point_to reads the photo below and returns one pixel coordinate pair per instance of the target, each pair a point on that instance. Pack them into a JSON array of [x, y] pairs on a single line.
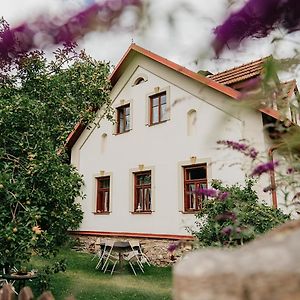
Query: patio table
[[120, 247], [20, 278]]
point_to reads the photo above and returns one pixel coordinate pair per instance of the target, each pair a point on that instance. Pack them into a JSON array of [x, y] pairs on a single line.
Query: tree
[[40, 103]]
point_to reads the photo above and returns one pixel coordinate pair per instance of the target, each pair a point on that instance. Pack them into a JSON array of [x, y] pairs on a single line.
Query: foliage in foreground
[[236, 218], [40, 103]]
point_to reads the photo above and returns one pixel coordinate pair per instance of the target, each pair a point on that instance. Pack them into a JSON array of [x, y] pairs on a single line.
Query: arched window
[[191, 122], [139, 80]]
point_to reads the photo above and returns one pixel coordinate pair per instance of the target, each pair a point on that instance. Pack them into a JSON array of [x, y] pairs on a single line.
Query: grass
[[83, 281]]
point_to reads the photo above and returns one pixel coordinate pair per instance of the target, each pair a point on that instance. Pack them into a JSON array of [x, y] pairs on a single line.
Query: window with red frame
[[123, 118], [195, 178], [103, 194], [158, 108], [142, 191]]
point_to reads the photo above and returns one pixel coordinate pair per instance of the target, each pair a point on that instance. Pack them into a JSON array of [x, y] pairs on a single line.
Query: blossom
[[212, 193], [265, 167], [207, 192], [257, 18], [227, 230], [44, 30], [222, 195], [241, 147], [172, 247], [227, 215]]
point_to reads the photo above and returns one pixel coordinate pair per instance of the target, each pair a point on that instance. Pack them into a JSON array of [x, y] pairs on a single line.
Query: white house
[[139, 171]]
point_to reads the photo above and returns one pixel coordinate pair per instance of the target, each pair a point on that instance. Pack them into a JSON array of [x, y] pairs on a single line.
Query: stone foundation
[[155, 249]]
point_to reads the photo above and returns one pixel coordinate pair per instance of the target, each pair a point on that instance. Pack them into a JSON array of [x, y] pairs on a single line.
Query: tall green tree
[[40, 103]]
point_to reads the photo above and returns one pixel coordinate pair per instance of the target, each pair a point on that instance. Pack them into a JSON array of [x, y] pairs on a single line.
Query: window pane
[[163, 99], [163, 112], [155, 114], [140, 199], [196, 173], [147, 199], [106, 201], [121, 120], [105, 183], [127, 122], [144, 179], [155, 101]]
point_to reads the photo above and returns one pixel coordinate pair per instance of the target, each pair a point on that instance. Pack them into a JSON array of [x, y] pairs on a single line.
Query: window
[[191, 122], [102, 202], [123, 118], [195, 177], [139, 80], [142, 191], [158, 108]]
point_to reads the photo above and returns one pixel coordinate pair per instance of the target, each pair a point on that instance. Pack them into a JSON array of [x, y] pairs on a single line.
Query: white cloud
[[183, 41]]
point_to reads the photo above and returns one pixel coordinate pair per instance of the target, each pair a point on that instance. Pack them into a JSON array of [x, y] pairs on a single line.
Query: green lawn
[[83, 281]]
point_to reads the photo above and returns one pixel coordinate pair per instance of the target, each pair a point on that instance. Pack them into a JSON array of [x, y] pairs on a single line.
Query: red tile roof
[[240, 73]]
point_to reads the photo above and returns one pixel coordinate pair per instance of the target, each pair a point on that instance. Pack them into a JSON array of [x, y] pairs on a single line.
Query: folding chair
[[109, 257], [97, 248], [136, 246], [4, 281], [102, 253], [133, 256]]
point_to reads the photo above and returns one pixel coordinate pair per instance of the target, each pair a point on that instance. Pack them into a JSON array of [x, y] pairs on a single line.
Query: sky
[[179, 30]]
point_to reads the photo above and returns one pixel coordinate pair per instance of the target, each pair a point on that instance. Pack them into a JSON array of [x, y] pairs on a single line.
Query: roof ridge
[[257, 61]]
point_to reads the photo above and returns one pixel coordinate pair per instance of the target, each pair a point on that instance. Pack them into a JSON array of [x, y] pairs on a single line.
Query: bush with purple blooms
[[236, 218]]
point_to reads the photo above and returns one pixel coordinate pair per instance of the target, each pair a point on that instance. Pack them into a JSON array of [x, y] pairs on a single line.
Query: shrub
[[236, 218]]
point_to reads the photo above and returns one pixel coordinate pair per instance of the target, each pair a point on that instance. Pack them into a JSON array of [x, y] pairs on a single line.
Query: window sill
[[141, 212], [101, 213], [161, 122], [189, 212], [120, 133]]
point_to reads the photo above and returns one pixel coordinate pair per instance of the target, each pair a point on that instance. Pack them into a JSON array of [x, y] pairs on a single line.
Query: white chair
[[4, 281], [102, 253], [109, 257], [133, 256], [136, 246]]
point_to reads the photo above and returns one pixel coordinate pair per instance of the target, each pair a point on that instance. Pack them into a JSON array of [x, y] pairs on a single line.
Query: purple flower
[[257, 18], [212, 193], [227, 230], [207, 192], [44, 31], [241, 147], [222, 195], [227, 215], [290, 170], [172, 247], [265, 167]]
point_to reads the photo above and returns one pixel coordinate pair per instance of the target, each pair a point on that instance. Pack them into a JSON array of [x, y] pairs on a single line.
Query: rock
[[265, 269]]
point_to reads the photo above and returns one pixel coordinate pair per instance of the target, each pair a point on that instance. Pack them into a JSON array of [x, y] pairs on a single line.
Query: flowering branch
[[241, 147], [257, 18], [45, 31]]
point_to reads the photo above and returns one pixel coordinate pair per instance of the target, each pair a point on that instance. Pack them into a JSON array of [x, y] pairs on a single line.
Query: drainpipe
[[272, 177]]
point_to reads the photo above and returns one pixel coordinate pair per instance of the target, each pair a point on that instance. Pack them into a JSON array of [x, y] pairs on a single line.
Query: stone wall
[[266, 269], [155, 249]]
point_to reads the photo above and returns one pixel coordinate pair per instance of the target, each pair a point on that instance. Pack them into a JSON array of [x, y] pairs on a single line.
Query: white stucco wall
[[163, 148]]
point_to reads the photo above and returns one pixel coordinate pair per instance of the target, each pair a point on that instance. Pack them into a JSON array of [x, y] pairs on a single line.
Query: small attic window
[[139, 80]]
